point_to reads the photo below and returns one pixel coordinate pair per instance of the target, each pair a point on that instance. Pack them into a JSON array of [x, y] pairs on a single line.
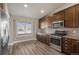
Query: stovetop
[[60, 33]]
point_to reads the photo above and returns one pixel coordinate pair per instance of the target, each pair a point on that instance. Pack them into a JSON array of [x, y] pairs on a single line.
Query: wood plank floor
[[33, 48]]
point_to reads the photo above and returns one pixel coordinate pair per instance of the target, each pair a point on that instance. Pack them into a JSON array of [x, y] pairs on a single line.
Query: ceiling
[[33, 9]]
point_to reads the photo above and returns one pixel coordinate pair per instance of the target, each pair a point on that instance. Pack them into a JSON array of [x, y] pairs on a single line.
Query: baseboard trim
[[20, 41]]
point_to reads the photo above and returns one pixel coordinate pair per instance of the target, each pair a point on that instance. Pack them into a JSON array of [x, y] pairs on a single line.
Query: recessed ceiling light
[[25, 5], [42, 11]]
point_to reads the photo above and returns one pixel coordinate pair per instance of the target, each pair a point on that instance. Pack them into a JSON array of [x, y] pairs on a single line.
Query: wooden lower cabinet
[[75, 46], [43, 38], [66, 47], [70, 46]]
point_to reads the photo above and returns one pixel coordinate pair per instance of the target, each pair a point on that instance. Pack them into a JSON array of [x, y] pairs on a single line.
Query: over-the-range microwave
[[58, 24]]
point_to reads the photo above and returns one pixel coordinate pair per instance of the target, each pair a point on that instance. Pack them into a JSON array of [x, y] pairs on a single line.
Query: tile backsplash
[[71, 31]]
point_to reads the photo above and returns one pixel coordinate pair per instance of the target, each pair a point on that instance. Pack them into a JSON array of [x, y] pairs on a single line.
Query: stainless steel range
[[56, 39]]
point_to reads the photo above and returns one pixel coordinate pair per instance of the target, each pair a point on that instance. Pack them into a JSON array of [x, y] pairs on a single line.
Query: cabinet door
[[75, 46], [77, 16], [47, 40], [67, 46], [49, 21], [42, 23], [1, 6], [59, 16], [70, 17], [70, 46]]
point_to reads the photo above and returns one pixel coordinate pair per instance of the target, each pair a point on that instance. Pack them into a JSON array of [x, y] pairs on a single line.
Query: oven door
[[56, 41]]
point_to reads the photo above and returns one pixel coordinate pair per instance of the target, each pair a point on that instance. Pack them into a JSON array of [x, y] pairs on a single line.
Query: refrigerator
[[4, 35]]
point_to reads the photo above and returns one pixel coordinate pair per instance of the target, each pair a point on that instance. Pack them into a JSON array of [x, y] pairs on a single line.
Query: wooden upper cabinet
[[40, 20], [41, 23], [45, 22], [70, 17], [1, 6], [53, 18], [59, 16], [77, 15]]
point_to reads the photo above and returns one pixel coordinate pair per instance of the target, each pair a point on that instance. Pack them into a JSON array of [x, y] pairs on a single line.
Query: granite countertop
[[39, 33], [72, 36]]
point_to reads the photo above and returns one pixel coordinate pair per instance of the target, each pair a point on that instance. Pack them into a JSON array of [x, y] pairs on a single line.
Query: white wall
[[16, 38], [6, 10]]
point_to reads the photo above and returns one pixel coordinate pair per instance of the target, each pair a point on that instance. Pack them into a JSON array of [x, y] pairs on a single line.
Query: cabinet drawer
[[70, 46]]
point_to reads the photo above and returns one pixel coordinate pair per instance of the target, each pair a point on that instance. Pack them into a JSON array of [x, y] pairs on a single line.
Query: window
[[24, 28]]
